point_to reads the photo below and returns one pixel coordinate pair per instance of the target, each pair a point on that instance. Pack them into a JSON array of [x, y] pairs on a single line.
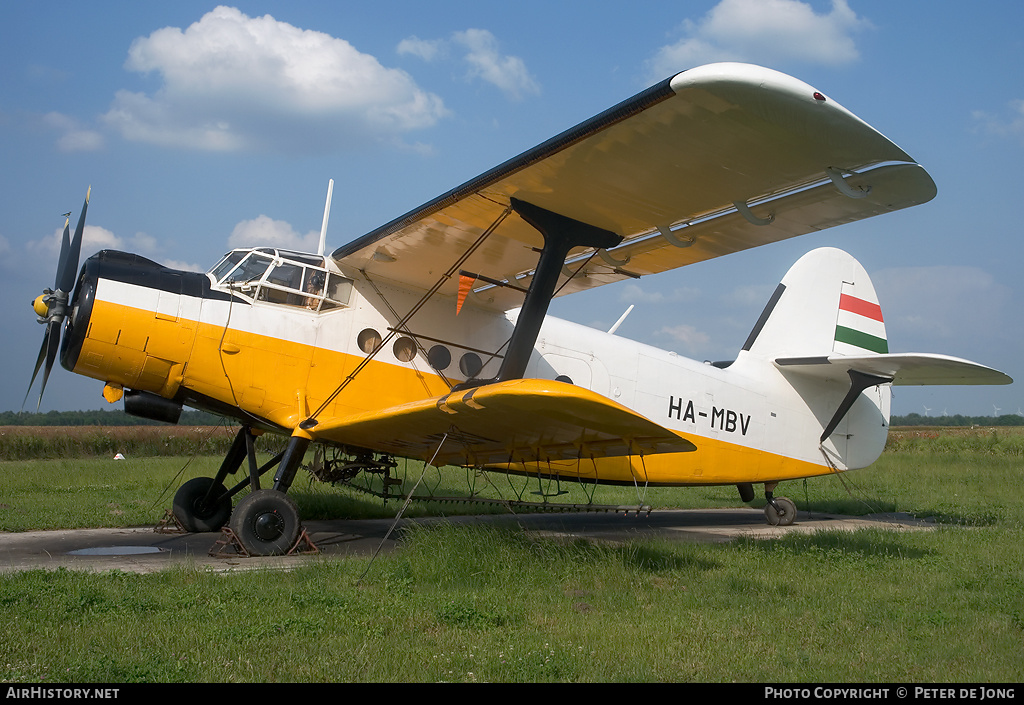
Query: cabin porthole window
[[439, 357], [404, 349], [368, 340], [564, 378], [470, 365]]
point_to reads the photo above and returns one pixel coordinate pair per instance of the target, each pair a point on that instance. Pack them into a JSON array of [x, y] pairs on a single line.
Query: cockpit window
[[281, 277], [227, 264], [337, 291], [250, 270]]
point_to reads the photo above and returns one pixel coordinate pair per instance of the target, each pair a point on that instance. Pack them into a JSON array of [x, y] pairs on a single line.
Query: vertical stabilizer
[[825, 305], [824, 308]]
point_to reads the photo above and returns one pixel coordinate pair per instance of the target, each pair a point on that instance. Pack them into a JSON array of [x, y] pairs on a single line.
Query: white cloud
[[74, 138], [231, 82], [426, 49], [691, 339], [184, 266], [1011, 125], [46, 250], [763, 31], [506, 72], [634, 293], [94, 239], [264, 231]]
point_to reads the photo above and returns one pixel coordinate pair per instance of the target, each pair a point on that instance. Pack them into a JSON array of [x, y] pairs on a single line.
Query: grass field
[[462, 604]]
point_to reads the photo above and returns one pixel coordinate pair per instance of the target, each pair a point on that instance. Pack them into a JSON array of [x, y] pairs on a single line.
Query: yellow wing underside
[[526, 420], [715, 160]]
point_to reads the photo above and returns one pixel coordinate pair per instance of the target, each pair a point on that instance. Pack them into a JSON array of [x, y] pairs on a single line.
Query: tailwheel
[[780, 511], [266, 523], [202, 504]]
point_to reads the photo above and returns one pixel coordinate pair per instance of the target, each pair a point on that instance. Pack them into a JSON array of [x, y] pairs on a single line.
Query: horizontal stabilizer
[[521, 420], [903, 368]]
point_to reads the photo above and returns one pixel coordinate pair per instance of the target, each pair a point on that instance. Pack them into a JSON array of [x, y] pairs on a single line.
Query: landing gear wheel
[[784, 515], [266, 522], [193, 513]]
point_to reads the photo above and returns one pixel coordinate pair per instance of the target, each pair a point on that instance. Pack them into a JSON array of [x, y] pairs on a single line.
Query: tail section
[[825, 305], [824, 331]]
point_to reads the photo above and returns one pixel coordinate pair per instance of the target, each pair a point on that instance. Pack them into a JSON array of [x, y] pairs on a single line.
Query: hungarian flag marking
[[860, 324]]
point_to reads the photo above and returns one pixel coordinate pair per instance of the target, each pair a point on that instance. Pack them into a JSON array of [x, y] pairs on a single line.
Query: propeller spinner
[[52, 306]]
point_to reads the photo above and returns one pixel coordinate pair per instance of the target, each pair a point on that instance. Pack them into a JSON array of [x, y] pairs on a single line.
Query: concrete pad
[[142, 550]]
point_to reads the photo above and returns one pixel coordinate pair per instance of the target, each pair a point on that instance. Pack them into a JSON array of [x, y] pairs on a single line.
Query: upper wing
[[523, 420], [902, 368], [714, 160]]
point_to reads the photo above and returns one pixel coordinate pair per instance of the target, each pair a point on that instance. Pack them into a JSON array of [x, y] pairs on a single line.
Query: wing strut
[[561, 234]]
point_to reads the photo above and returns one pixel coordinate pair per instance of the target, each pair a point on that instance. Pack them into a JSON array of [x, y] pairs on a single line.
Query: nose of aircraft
[[40, 306], [52, 306]]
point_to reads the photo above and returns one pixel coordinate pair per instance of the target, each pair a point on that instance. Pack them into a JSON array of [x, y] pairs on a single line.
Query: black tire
[[193, 514], [266, 522], [781, 518]]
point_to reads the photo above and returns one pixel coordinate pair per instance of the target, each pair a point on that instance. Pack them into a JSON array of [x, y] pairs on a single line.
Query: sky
[[202, 127]]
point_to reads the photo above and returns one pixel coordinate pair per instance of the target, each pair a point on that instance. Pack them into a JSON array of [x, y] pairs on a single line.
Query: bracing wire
[[405, 505], [415, 309]]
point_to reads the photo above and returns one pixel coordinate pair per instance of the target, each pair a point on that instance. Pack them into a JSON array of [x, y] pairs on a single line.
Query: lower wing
[[524, 420]]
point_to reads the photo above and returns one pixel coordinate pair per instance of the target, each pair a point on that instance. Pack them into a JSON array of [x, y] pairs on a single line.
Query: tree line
[[102, 417], [957, 420]]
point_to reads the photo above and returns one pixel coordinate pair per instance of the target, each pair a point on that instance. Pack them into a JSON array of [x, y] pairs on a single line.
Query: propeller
[[52, 306]]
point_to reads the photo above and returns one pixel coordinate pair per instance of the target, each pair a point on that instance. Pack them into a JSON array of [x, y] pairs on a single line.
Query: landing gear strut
[[779, 511], [266, 521]]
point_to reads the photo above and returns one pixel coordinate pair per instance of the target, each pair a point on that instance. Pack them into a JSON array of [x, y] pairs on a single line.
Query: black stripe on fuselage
[[134, 269]]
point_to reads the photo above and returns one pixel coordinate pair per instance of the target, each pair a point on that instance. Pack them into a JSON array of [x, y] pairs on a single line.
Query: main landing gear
[[266, 521], [778, 511]]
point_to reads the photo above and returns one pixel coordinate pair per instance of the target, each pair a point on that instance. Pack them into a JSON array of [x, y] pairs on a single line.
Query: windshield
[[281, 277], [251, 269]]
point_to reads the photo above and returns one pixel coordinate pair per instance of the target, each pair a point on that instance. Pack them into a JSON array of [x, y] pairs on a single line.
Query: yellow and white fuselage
[[428, 338], [270, 354]]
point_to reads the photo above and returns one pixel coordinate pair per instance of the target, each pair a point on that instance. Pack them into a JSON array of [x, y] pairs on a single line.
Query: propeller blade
[[39, 363], [52, 344], [65, 248], [47, 352], [68, 268], [57, 303]]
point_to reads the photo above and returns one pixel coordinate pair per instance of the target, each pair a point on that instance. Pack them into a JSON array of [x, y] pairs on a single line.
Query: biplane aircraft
[[427, 338]]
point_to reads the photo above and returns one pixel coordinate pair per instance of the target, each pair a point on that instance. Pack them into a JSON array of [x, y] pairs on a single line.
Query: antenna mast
[[327, 215]]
